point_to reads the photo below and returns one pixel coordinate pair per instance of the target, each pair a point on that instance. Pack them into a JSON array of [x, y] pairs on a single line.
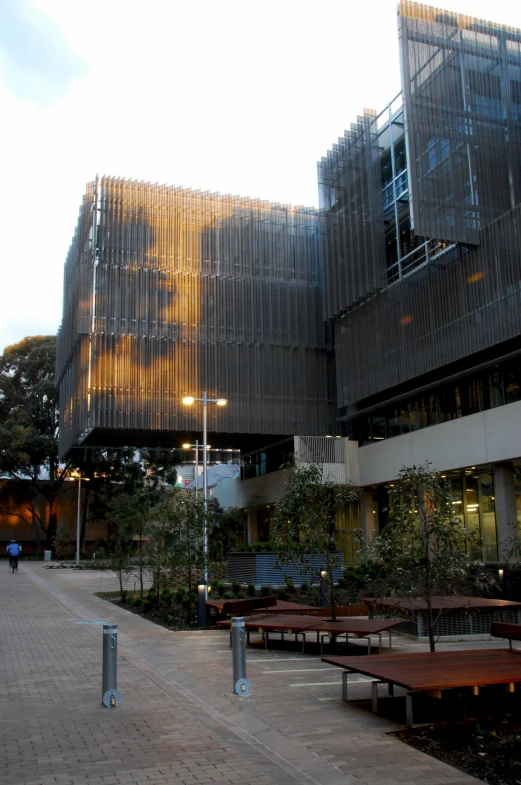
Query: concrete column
[[367, 517], [505, 505]]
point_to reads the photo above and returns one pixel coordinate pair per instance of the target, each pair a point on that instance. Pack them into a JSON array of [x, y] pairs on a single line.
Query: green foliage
[[227, 595], [61, 543], [124, 596], [166, 595], [137, 602], [304, 521], [236, 586], [304, 586], [251, 590], [290, 586], [240, 596], [180, 594], [265, 591], [424, 549], [225, 528], [174, 539], [282, 594], [29, 412], [147, 606]]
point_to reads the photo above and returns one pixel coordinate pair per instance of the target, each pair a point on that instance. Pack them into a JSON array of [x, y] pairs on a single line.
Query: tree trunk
[[120, 576], [141, 564], [430, 624], [52, 524], [84, 516]]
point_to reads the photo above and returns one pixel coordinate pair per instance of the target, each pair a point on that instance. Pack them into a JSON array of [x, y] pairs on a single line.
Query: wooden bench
[[512, 632], [218, 609], [432, 673], [242, 607]]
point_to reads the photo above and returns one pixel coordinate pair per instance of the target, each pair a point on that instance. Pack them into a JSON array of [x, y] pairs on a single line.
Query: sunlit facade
[[391, 316], [170, 292]]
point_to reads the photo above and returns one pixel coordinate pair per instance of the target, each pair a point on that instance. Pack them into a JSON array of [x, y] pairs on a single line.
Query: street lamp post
[[188, 401], [196, 448]]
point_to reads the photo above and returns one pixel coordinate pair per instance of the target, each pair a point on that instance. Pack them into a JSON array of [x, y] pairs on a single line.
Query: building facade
[[169, 292], [390, 318]]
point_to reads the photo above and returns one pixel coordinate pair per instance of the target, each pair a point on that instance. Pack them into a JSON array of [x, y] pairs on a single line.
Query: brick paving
[[179, 721]]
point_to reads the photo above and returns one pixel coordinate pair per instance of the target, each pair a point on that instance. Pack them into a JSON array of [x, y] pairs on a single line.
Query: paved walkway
[[179, 721]]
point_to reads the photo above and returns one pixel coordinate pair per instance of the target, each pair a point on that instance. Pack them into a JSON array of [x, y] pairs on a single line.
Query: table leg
[[379, 643], [345, 674], [408, 710], [266, 636], [368, 645], [390, 639], [390, 688]]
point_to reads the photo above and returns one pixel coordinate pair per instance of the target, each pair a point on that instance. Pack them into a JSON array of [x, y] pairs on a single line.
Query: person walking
[[14, 550]]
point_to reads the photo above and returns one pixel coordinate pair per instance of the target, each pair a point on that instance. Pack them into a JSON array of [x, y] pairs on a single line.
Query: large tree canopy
[[29, 422]]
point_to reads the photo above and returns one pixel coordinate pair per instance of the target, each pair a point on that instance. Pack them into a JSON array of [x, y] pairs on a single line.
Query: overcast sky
[[237, 97]]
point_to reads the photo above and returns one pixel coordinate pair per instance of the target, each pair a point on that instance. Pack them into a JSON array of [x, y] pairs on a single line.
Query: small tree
[[423, 549], [178, 525], [225, 528], [304, 521], [119, 558]]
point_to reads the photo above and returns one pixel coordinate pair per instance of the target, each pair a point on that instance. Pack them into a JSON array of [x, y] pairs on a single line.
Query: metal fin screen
[[352, 224], [435, 316], [169, 292], [462, 95]]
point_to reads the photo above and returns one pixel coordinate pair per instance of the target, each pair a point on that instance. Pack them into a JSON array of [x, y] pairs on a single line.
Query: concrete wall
[[254, 492], [488, 437]]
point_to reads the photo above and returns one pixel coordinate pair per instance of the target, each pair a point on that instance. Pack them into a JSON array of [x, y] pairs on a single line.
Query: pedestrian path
[[179, 721]]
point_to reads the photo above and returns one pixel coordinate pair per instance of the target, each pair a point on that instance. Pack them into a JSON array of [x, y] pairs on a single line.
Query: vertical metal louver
[[352, 225], [170, 291], [462, 96], [468, 302]]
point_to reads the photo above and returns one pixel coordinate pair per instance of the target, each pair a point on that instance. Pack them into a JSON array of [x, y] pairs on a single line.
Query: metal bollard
[[201, 605], [324, 589], [109, 694], [241, 685]]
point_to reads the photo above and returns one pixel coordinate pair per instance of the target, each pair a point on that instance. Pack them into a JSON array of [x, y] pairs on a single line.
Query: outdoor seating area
[[455, 615], [432, 673], [323, 630]]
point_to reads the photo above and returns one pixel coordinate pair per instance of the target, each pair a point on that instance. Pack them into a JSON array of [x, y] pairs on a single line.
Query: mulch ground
[[488, 748]]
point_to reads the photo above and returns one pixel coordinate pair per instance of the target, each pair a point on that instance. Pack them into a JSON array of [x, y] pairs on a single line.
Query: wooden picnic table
[[298, 626], [433, 672]]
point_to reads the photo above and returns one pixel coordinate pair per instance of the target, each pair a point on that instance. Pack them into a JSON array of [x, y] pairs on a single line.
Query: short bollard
[[201, 605], [110, 696], [324, 589], [241, 685]]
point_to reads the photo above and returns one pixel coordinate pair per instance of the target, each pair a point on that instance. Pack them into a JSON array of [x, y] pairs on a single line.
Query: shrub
[[240, 596], [236, 586], [265, 590], [166, 595], [137, 602], [227, 595], [282, 594], [221, 588], [147, 606], [290, 586], [342, 583], [251, 590], [180, 594], [124, 596], [304, 586], [214, 584]]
